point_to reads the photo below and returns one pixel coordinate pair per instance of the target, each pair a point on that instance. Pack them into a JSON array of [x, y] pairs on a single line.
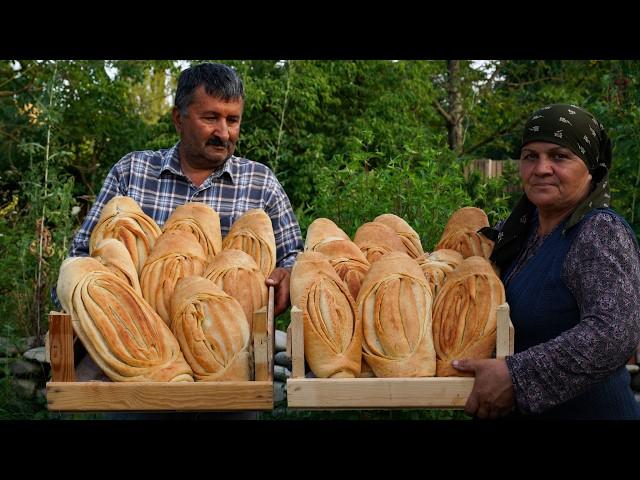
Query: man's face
[[209, 130]]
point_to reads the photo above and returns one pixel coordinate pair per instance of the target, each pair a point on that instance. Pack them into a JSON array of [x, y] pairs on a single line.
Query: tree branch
[[442, 112], [497, 134]]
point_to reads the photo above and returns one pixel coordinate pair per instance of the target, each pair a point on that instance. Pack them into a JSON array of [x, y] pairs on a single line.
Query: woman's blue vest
[[542, 307]]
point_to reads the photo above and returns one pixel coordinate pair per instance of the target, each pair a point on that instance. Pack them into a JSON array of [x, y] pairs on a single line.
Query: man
[[202, 167]]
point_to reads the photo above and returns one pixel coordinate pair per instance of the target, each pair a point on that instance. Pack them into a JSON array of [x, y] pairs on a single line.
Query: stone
[[633, 369], [282, 358], [36, 354], [279, 392], [25, 388], [24, 368], [281, 373], [7, 347], [280, 341]]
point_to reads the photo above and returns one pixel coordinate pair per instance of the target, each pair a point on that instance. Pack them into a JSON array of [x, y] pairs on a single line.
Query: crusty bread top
[[375, 239], [114, 255], [123, 219], [253, 233], [201, 220], [408, 235], [323, 230]]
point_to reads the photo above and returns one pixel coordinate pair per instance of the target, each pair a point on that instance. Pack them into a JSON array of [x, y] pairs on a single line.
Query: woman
[[571, 270]]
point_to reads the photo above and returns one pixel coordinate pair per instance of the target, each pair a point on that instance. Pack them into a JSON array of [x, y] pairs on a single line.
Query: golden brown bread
[[202, 221], [323, 230], [465, 314], [114, 255], [408, 235], [212, 330], [375, 239], [461, 233], [123, 219], [119, 329], [437, 265], [237, 273], [253, 234], [332, 329], [348, 261], [395, 304], [176, 254]]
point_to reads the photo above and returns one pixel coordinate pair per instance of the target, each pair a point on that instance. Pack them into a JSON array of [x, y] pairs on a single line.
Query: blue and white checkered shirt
[[155, 181]]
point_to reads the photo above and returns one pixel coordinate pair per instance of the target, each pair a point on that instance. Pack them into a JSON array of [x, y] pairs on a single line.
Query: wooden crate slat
[[151, 396], [61, 347], [372, 393]]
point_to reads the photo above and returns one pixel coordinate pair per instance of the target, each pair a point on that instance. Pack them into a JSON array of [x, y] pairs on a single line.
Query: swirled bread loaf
[[322, 230], [212, 330], [348, 261], [237, 273], [395, 304], [123, 219], [176, 254], [375, 239], [124, 336], [202, 221], [332, 329], [465, 314], [437, 265], [407, 234], [253, 234], [461, 233], [114, 255]]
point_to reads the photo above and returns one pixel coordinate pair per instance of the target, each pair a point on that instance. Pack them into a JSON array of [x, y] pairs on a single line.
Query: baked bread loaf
[[114, 255], [176, 254], [123, 219], [332, 328], [461, 233], [323, 230], [253, 234], [437, 265], [348, 261], [408, 235], [238, 275], [123, 335], [375, 239], [202, 221], [465, 314], [395, 304], [212, 330]]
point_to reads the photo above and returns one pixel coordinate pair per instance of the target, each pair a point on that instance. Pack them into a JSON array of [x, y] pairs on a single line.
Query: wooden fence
[[488, 167]]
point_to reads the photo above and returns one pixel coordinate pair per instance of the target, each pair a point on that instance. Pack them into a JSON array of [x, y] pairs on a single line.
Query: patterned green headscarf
[[576, 129]]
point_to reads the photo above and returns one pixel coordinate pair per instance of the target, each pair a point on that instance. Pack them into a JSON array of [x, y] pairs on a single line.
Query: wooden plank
[[152, 396], [271, 338], [504, 333], [263, 340], [376, 393], [297, 343], [61, 347]]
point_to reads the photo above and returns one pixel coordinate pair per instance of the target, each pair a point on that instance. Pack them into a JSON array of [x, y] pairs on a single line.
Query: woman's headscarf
[[579, 131]]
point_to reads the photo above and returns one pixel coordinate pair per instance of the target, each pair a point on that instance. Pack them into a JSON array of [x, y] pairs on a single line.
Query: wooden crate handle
[[297, 343], [504, 333], [263, 338], [61, 347]]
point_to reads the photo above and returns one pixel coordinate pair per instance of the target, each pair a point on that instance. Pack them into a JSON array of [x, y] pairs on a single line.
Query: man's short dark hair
[[219, 80]]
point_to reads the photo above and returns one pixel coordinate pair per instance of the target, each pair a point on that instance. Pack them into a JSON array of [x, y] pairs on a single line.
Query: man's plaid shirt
[[155, 181]]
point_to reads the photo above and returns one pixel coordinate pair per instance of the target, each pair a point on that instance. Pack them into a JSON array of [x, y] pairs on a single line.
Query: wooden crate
[[65, 394], [381, 393]]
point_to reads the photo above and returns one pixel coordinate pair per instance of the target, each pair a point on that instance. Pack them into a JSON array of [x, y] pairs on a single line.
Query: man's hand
[[279, 279], [492, 395]]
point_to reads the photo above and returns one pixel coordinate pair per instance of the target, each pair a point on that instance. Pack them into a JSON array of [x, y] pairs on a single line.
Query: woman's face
[[553, 177]]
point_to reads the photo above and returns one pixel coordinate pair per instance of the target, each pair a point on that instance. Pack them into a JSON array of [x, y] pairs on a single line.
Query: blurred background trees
[[348, 139]]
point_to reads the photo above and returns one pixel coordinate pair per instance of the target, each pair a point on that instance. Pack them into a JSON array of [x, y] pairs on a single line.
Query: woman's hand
[[279, 279], [492, 395]]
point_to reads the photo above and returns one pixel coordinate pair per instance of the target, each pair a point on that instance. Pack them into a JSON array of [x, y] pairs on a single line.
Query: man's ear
[[177, 119]]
